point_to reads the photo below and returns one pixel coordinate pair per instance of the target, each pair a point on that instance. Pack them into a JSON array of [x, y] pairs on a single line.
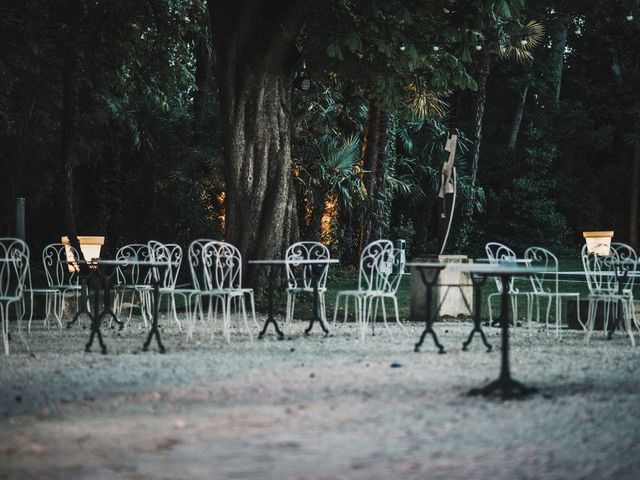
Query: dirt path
[[316, 408]]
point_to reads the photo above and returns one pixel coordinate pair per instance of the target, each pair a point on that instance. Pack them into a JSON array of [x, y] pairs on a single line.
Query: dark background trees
[[179, 120]]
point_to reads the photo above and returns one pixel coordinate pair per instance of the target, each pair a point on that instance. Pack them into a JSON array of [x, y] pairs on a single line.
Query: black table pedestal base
[[155, 332], [307, 330], [270, 317], [429, 281], [477, 281], [505, 388], [430, 330], [478, 329], [95, 332], [275, 325]]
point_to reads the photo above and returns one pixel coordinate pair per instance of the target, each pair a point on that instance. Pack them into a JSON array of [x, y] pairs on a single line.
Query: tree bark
[[517, 118], [255, 56], [379, 218], [479, 102], [70, 91], [558, 33], [635, 193]]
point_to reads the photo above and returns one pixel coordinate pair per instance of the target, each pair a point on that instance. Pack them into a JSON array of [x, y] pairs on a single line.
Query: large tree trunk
[[559, 30], [255, 56], [479, 101], [517, 118], [635, 193], [375, 165]]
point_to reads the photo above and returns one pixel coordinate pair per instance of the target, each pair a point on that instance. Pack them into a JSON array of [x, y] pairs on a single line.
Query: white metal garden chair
[[14, 265], [197, 269], [221, 281], [171, 253], [376, 266], [603, 283], [62, 276], [499, 253], [547, 286], [392, 285], [132, 280], [300, 276], [49, 298]]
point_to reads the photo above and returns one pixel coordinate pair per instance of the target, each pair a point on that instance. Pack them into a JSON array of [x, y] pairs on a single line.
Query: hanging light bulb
[[402, 47], [478, 47], [436, 48], [524, 40], [629, 17]]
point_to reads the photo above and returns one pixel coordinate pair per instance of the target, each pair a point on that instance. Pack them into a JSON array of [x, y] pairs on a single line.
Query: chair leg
[[395, 307], [546, 317], [627, 309], [226, 320], [582, 324], [253, 311], [5, 327], [335, 310], [362, 317], [591, 319], [384, 316], [245, 317]]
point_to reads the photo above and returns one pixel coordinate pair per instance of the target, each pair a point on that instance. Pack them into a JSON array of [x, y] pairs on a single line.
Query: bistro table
[[429, 273], [99, 277], [315, 264], [504, 386]]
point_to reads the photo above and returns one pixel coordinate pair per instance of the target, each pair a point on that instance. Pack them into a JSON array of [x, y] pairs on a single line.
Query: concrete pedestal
[[449, 298]]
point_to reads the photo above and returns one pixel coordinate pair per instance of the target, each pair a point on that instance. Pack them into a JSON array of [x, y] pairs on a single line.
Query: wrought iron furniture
[[497, 253], [129, 279], [197, 269], [49, 297], [303, 277], [221, 265], [61, 276], [547, 286], [376, 265], [316, 268], [505, 386], [14, 265], [399, 263], [610, 280], [429, 273], [170, 253], [271, 281]]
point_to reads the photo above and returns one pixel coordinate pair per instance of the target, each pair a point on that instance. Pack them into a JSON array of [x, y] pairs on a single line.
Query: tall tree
[[255, 57]]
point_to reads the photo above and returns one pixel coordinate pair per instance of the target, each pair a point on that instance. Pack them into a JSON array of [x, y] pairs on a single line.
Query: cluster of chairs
[[603, 277], [216, 288]]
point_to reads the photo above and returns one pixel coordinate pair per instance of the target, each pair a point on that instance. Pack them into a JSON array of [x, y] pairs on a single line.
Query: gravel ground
[[318, 408]]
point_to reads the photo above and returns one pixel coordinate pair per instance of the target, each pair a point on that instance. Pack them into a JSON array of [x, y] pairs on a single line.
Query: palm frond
[[425, 103], [518, 40]]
